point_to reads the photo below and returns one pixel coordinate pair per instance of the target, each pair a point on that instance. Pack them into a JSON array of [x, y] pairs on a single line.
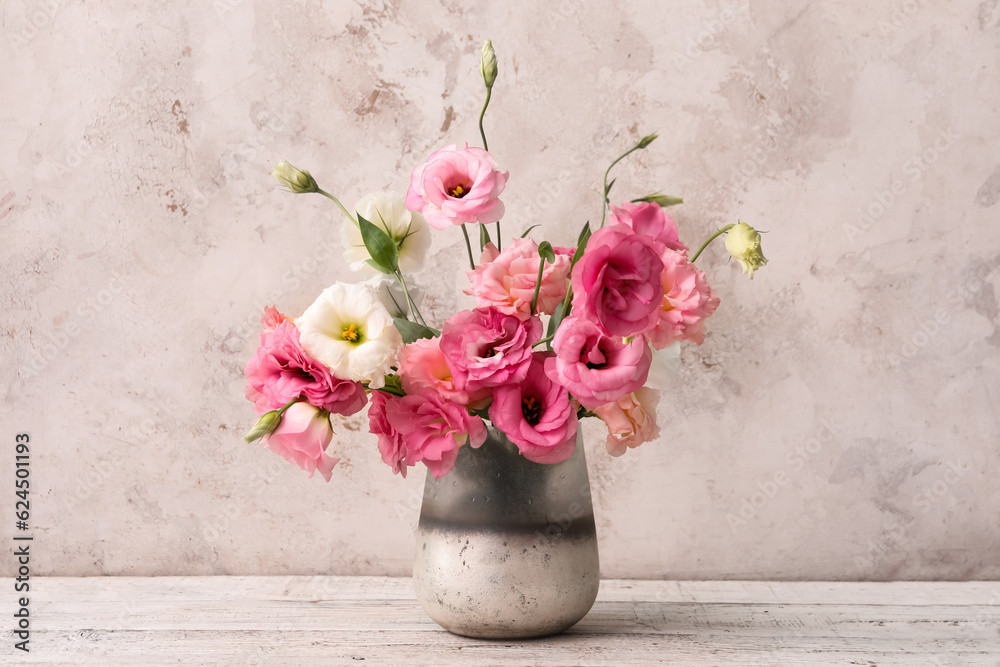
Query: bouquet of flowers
[[558, 333]]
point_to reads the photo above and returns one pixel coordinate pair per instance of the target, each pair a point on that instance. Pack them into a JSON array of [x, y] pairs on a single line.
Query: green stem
[[409, 301], [468, 245], [499, 248], [544, 340], [604, 192], [337, 202], [538, 284], [489, 93], [288, 405], [710, 239]]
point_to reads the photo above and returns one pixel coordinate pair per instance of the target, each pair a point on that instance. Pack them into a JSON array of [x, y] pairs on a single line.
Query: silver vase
[[507, 548]]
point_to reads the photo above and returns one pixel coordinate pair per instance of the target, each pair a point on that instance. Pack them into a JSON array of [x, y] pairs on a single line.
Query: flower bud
[[661, 199], [743, 243], [264, 427], [488, 64], [647, 140], [295, 179]]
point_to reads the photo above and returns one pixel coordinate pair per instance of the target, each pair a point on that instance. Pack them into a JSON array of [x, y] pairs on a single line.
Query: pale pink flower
[[423, 368], [457, 185], [487, 348], [432, 430], [631, 420], [302, 437], [537, 414], [390, 441], [507, 279], [597, 369], [272, 318], [616, 283], [281, 370], [687, 300], [649, 218]]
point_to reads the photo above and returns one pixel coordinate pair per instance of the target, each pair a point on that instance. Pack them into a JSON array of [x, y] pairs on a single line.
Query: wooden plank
[[376, 620]]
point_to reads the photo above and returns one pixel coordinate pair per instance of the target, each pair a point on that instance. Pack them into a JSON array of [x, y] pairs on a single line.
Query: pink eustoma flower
[[616, 283], [687, 300], [507, 279], [433, 429], [485, 347], [537, 414], [390, 441], [423, 368], [649, 219], [302, 437], [597, 369], [456, 186], [281, 370], [631, 420]]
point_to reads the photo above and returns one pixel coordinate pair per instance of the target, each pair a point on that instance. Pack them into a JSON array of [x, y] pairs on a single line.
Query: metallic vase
[[507, 548]]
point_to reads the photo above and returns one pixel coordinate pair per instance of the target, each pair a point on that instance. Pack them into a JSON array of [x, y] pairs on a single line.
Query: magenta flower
[[616, 283], [687, 300], [507, 279], [457, 185], [423, 369], [649, 219], [390, 441], [302, 437], [597, 369], [631, 420], [487, 348], [432, 430], [281, 370], [537, 414]]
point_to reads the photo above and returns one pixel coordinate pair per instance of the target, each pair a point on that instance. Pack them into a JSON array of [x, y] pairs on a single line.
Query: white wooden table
[[250, 621]]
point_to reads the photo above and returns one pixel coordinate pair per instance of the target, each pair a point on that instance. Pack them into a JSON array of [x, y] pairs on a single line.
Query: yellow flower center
[[459, 191], [351, 333]]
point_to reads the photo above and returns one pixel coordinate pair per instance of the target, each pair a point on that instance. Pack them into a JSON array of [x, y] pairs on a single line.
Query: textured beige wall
[[838, 423]]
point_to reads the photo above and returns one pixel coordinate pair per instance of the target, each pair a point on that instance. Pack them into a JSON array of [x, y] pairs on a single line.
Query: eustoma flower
[[349, 330], [616, 283], [423, 368], [302, 438], [487, 348], [456, 186], [407, 229], [507, 279], [631, 420], [391, 444], [649, 219], [597, 369], [433, 429], [281, 371], [537, 414], [687, 300]]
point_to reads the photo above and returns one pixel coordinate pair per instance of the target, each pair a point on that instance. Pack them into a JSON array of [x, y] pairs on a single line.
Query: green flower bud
[[295, 179], [743, 243], [265, 426], [488, 64], [661, 199], [647, 140]]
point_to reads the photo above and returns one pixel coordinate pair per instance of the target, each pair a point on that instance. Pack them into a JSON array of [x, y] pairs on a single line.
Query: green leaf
[[545, 250], [376, 266], [380, 246], [529, 229], [484, 237], [608, 188], [581, 243], [411, 331]]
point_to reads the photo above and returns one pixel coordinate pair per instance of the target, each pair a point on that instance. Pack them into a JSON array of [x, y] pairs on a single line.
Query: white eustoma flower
[[388, 211], [390, 293], [348, 330]]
